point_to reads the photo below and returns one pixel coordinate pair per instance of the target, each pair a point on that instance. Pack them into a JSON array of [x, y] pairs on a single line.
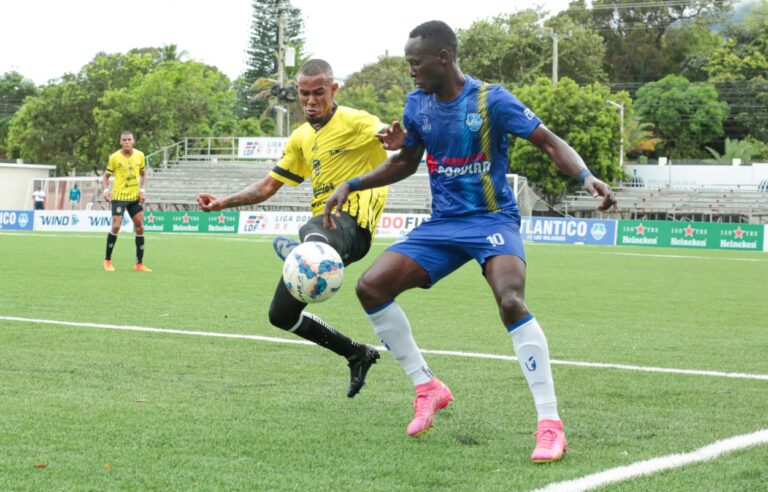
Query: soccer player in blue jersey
[[463, 124]]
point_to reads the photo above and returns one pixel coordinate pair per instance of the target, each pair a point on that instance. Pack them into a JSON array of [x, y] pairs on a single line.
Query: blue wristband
[[583, 175], [354, 184]]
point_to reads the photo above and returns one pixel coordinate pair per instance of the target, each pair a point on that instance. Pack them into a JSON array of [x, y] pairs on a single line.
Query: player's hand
[[337, 201], [597, 188], [208, 202], [393, 137], [142, 196], [107, 196]]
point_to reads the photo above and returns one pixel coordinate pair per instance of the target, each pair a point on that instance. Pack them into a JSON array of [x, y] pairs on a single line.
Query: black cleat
[[358, 368]]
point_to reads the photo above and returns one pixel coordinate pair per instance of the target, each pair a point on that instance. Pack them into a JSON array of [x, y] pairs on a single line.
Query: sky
[[43, 39]]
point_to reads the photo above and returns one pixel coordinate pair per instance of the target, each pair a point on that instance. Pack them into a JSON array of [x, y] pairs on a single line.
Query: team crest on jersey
[[474, 121], [529, 114], [426, 126], [316, 167]]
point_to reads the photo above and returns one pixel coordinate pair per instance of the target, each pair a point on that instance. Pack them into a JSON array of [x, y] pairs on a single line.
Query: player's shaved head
[[437, 35], [316, 66]]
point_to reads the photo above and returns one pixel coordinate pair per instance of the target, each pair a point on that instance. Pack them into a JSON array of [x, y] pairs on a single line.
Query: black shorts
[[351, 241], [120, 207]]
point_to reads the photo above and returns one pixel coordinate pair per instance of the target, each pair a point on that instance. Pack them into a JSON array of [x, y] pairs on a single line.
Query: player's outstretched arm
[[570, 162], [208, 202], [392, 170], [597, 188], [250, 195], [392, 138]]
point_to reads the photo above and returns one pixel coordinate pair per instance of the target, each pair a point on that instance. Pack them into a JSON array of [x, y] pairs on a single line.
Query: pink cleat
[[430, 398], [550, 442]]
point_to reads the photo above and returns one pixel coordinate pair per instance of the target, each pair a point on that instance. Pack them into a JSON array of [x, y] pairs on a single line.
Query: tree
[[74, 122], [263, 48], [583, 118], [647, 40], [379, 88], [14, 89], [513, 48], [685, 115], [740, 70], [175, 100], [170, 52], [734, 149]]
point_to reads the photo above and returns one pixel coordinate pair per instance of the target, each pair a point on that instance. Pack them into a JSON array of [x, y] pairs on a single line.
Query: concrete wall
[[15, 189], [703, 176]]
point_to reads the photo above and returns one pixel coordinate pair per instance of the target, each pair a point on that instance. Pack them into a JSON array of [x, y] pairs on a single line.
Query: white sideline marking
[[687, 257], [655, 465], [689, 372]]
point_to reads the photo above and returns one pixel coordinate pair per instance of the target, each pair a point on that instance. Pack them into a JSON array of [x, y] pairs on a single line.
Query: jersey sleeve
[[512, 114], [292, 169], [410, 123], [369, 126], [142, 162], [111, 165]]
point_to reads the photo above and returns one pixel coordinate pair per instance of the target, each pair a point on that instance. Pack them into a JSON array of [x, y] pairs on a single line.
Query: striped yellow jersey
[[344, 148], [126, 170]]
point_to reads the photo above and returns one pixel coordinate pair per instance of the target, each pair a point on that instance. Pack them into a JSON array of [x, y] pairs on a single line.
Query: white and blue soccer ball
[[313, 272]]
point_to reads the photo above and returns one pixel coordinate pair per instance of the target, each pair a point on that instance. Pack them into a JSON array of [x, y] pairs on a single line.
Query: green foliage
[[513, 48], [580, 116], [685, 115], [734, 149], [263, 48], [14, 89], [58, 127], [76, 122], [175, 100], [645, 43], [379, 88], [760, 147]]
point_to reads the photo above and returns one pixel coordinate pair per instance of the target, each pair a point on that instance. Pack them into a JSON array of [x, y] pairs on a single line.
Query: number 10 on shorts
[[495, 239]]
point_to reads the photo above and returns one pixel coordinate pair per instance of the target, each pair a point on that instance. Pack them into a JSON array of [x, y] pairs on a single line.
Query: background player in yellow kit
[[128, 167]]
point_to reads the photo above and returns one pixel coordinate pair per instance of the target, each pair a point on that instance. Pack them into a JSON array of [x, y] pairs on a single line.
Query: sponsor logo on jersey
[[323, 188], [459, 166], [474, 121]]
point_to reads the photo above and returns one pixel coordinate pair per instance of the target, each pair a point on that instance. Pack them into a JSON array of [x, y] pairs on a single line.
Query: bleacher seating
[[174, 186], [728, 204]]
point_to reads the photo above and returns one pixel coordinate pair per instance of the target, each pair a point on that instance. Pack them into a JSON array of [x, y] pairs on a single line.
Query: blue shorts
[[441, 246]]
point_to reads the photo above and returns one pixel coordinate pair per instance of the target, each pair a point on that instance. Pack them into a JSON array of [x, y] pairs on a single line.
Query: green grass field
[[88, 408]]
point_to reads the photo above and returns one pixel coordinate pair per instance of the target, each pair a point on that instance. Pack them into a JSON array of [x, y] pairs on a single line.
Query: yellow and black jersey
[[344, 148], [126, 170]]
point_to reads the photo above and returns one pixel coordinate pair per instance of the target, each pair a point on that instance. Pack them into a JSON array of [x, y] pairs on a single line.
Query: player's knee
[[282, 318], [140, 229], [369, 292], [512, 304]]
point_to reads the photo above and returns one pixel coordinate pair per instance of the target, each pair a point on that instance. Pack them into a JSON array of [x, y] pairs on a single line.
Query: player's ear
[[334, 88]]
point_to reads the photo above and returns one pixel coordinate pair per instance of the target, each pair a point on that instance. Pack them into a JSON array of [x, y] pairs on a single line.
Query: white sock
[[533, 354], [392, 327]]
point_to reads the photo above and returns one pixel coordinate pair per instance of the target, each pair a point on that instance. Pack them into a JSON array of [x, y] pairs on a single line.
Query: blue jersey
[[467, 140]]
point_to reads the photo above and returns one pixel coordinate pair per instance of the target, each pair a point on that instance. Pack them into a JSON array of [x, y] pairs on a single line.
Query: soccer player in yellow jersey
[[335, 144], [128, 167]]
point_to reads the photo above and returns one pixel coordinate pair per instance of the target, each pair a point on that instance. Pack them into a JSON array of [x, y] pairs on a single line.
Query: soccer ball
[[313, 272]]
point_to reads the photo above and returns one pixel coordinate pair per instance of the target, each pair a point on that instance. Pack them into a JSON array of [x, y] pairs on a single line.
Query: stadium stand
[[742, 204]]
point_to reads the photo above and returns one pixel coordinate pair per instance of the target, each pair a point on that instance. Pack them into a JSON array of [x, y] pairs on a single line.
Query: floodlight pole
[[555, 40], [280, 127], [620, 107]]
